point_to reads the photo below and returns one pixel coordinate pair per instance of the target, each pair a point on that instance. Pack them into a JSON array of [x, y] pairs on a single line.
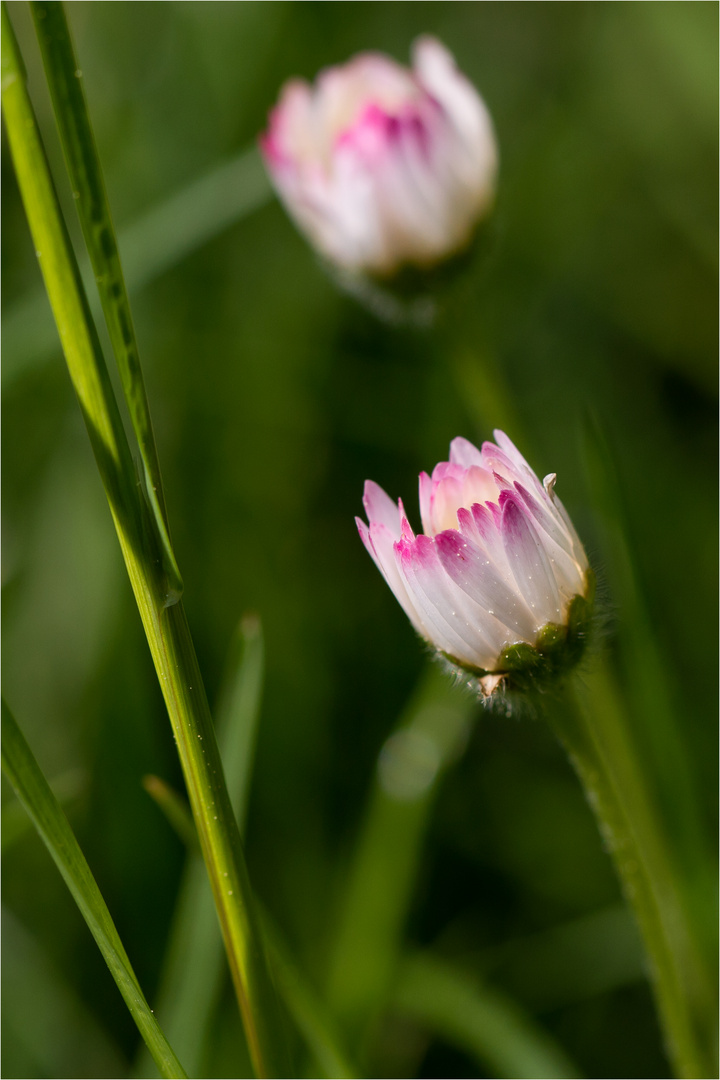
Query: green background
[[593, 300]]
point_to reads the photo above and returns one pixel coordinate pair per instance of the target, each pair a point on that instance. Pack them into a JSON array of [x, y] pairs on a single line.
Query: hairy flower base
[[556, 651]]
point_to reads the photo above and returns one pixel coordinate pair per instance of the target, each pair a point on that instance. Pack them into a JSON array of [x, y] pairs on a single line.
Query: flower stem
[[165, 626], [594, 730]]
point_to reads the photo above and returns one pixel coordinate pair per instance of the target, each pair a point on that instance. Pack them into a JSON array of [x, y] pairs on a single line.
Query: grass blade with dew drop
[[165, 626]]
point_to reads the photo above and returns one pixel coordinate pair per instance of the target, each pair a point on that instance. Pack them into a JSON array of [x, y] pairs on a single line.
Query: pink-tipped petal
[[425, 486], [380, 544], [438, 73], [498, 562], [462, 452], [530, 566], [544, 518], [380, 507], [365, 535], [460, 632], [478, 526], [474, 573]]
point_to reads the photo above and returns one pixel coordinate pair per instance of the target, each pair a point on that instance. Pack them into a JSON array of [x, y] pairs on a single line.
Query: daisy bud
[[383, 167], [498, 581]]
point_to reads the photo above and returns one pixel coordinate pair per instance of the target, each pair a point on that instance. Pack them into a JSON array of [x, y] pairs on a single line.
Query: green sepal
[[556, 651], [526, 668]]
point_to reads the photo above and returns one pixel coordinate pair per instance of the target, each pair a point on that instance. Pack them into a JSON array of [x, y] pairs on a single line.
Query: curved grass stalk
[[165, 626], [484, 1023], [594, 731], [194, 959], [66, 90], [193, 968]]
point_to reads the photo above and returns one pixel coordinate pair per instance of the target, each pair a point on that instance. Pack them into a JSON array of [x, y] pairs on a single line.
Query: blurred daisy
[[381, 166]]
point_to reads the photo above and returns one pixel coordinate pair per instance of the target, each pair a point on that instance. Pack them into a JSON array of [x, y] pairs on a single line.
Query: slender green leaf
[[382, 874], [191, 981], [310, 1014], [239, 711], [570, 962], [597, 734], [15, 822], [34, 792], [66, 88], [649, 683], [175, 809], [492, 1028], [165, 626], [67, 298]]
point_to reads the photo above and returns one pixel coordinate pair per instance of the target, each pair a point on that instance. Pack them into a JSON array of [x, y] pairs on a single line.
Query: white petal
[[379, 543], [425, 486], [480, 527], [462, 452], [380, 507], [436, 69], [547, 519], [530, 565], [578, 549], [456, 620], [473, 572]]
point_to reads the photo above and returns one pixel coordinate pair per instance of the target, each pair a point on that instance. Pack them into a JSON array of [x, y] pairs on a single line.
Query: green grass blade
[[571, 961], [597, 732], [382, 875], [175, 809], [656, 724], [16, 824], [66, 89], [192, 977], [165, 626], [191, 981], [484, 1023], [150, 245], [239, 711], [67, 298], [34, 792], [308, 1012]]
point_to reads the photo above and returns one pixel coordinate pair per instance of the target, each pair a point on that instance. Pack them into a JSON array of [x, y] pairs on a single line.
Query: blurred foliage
[[274, 396]]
